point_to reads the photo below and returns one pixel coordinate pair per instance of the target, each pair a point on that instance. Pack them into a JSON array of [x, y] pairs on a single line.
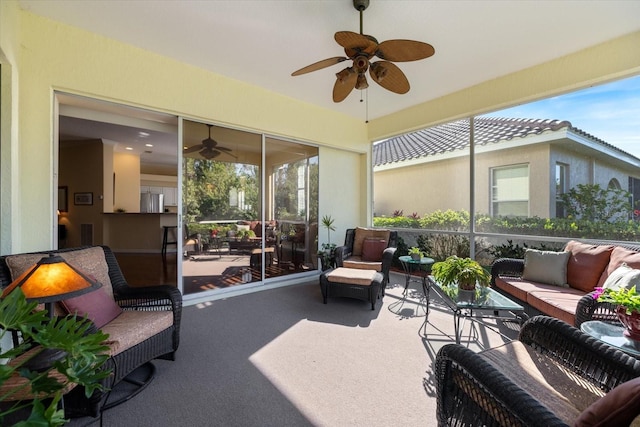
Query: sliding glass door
[[249, 208]]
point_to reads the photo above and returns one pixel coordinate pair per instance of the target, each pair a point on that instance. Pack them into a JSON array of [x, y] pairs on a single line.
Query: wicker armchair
[[346, 253], [161, 345], [473, 391]]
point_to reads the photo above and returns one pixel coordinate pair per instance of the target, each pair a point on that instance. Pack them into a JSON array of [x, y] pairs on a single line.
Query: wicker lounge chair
[[557, 374]]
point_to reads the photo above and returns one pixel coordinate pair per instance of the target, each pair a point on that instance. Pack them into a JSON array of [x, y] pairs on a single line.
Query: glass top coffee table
[[611, 334], [475, 305]]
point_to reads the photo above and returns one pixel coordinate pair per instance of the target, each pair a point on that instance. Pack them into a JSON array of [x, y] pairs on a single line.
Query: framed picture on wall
[[83, 198], [62, 199]]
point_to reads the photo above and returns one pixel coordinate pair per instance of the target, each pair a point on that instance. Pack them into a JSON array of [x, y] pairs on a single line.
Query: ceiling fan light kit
[[361, 48]]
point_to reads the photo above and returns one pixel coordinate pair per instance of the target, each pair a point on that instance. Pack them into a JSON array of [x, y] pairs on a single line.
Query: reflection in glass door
[[229, 239], [221, 207]]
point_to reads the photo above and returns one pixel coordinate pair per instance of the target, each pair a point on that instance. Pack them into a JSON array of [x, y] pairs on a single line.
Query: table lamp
[[49, 280]]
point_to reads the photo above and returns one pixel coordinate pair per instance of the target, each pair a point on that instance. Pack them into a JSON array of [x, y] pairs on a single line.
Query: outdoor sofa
[[559, 284], [143, 323]]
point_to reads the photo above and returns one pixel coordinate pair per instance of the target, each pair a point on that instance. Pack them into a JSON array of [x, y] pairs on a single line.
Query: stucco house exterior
[[521, 167]]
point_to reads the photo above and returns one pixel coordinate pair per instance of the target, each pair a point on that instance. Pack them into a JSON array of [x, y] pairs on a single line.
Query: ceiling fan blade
[[345, 82], [404, 50], [192, 149], [389, 76], [320, 65], [223, 149], [354, 43]]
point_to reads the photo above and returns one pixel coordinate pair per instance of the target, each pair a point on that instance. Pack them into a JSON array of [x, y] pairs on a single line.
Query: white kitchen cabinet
[[170, 196]]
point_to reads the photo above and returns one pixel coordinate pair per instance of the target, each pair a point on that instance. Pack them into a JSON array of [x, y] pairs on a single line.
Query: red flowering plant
[[627, 298]]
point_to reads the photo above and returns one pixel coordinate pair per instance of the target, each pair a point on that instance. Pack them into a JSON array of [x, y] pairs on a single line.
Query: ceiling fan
[[361, 48], [209, 148]]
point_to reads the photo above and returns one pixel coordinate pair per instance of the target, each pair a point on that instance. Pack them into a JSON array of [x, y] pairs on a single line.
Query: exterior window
[[561, 188], [614, 184], [510, 191]]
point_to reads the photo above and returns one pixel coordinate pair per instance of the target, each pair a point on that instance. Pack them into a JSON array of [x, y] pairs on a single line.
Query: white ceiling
[[263, 41]]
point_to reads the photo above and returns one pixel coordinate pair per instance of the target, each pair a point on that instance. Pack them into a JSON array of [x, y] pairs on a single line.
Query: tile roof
[[455, 136]]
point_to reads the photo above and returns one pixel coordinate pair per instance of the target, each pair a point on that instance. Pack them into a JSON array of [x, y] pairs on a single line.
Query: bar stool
[[165, 237]]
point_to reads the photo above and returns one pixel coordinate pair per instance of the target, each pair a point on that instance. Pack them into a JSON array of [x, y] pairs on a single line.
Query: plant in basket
[[628, 311]]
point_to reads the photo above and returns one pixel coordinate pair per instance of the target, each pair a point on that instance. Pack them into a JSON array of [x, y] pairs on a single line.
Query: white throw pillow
[[622, 277], [546, 267]]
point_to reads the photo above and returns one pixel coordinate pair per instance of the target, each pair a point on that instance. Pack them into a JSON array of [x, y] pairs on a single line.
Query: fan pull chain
[[366, 106]]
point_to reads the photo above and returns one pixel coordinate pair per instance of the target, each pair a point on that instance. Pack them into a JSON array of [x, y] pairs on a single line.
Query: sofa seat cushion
[[351, 276], [556, 387], [133, 327], [519, 288], [358, 263], [586, 264], [558, 303]]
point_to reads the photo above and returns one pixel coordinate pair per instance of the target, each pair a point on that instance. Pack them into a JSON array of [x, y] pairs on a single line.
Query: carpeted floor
[[282, 358]]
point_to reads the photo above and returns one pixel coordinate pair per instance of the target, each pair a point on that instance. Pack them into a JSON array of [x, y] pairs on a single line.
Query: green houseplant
[[39, 391], [415, 253], [326, 253], [465, 272], [628, 310]]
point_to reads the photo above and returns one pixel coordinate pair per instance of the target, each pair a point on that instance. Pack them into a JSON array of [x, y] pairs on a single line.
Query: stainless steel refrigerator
[[151, 203]]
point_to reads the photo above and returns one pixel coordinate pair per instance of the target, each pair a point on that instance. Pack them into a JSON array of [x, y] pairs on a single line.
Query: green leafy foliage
[[83, 362], [593, 203], [617, 228], [627, 298], [464, 272]]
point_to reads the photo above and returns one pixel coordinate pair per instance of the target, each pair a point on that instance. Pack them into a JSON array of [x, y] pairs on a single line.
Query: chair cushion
[[90, 261], [97, 306], [133, 327], [372, 249], [586, 264], [363, 233], [546, 267], [359, 263], [352, 276], [619, 407]]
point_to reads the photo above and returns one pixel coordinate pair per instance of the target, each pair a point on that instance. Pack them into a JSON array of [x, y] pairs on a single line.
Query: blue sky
[[610, 112]]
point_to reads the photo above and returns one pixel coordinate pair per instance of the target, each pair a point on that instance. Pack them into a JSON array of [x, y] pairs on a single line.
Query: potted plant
[[415, 253], [34, 390], [628, 311], [326, 254], [464, 272]]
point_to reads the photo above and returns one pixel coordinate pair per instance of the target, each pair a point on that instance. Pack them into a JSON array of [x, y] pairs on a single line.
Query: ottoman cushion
[[351, 276]]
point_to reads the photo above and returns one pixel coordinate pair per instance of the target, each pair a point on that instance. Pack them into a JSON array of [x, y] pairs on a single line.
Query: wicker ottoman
[[351, 283]]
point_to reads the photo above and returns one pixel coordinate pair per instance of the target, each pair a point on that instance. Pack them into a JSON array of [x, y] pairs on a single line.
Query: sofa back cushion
[[620, 256], [90, 261], [586, 264], [364, 233]]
